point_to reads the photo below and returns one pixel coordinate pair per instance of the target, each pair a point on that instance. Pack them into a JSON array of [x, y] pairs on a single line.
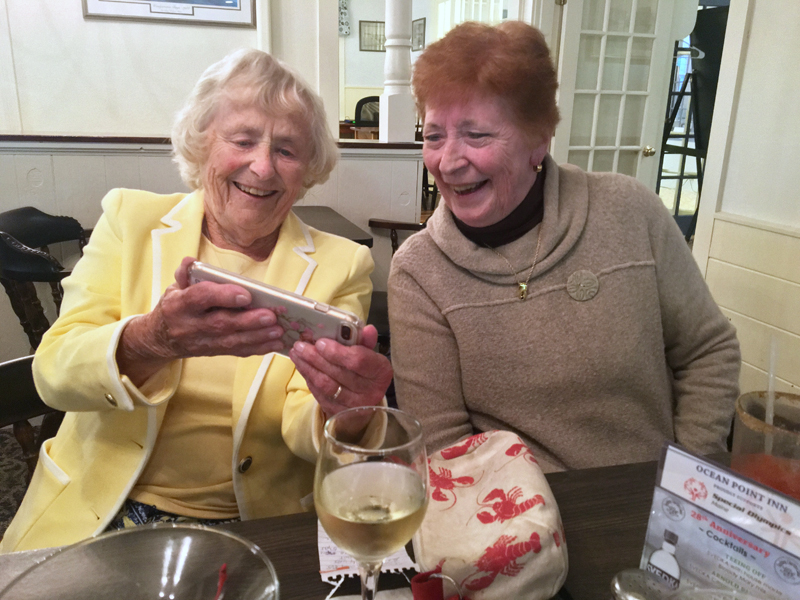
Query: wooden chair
[[430, 193], [25, 234], [19, 402], [394, 227]]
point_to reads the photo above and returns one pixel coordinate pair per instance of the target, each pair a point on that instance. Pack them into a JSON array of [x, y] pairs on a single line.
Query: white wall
[[65, 75], [363, 69], [61, 74], [748, 232]]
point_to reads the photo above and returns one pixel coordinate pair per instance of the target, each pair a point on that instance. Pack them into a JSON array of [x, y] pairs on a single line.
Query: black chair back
[[19, 402], [35, 228], [25, 234], [368, 111], [23, 231]]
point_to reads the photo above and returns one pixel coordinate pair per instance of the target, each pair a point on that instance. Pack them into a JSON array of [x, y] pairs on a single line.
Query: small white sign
[[335, 563], [713, 529]]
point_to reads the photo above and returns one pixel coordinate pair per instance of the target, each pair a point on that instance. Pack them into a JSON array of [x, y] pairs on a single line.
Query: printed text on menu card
[[711, 528]]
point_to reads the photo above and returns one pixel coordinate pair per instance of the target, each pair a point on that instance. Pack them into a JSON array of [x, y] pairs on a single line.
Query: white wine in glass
[[371, 496]]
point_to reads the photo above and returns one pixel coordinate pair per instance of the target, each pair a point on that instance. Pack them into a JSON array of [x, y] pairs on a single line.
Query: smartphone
[[301, 318]]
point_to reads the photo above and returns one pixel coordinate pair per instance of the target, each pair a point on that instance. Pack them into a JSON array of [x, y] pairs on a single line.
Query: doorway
[[690, 108]]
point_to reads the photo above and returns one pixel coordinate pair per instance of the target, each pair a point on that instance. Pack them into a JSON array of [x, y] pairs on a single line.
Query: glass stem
[[369, 579]]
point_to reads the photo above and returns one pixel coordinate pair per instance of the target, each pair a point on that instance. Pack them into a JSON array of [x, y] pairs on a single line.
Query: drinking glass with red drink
[[768, 453]]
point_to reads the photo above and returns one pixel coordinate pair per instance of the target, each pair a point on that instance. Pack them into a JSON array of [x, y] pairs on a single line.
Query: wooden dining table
[[605, 512]]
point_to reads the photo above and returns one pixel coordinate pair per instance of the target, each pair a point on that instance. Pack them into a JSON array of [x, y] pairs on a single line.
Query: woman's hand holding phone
[[330, 347], [196, 317], [342, 377], [206, 319], [196, 320]]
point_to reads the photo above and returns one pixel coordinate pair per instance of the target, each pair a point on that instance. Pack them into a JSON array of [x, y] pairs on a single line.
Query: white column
[[397, 115], [328, 61]]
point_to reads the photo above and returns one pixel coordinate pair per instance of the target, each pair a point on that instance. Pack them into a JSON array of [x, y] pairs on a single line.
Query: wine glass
[[371, 493]]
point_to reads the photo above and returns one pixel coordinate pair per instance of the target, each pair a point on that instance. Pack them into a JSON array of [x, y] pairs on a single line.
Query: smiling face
[[253, 175], [483, 163]]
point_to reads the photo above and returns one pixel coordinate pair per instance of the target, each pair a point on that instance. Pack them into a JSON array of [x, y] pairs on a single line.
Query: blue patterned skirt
[[133, 514]]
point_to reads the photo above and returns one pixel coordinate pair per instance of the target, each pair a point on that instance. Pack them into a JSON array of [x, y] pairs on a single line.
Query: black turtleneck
[[520, 221]]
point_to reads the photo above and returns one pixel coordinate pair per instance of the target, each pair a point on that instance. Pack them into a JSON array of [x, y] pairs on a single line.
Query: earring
[[539, 168]]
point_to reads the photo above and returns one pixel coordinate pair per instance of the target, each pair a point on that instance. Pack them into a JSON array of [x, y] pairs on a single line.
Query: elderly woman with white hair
[[178, 407]]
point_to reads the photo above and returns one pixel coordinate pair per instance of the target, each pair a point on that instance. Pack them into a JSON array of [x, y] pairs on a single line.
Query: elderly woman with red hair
[[562, 305]]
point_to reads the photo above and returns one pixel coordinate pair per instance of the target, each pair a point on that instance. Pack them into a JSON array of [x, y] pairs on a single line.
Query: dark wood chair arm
[[394, 227], [401, 225]]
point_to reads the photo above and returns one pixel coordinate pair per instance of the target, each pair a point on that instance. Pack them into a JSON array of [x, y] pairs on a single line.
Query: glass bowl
[[163, 561]]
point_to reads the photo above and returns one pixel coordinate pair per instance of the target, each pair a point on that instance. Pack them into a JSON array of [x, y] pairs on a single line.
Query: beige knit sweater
[[585, 380]]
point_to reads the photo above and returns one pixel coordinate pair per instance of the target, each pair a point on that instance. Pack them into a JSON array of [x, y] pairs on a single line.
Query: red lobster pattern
[[462, 449], [443, 484], [522, 450], [505, 506], [501, 559]]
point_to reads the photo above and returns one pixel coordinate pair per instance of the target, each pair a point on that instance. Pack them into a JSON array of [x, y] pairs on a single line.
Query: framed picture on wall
[[418, 34], [232, 13], [372, 36]]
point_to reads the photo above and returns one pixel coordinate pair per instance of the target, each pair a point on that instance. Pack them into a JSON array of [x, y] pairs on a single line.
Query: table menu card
[[335, 564], [712, 528]]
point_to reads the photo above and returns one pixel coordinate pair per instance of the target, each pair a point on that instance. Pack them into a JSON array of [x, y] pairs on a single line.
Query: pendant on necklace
[[523, 291]]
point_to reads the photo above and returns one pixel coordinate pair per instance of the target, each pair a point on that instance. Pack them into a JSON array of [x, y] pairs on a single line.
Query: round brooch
[[582, 285]]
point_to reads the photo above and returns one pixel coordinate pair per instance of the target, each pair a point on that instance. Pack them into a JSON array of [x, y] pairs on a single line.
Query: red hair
[[510, 61]]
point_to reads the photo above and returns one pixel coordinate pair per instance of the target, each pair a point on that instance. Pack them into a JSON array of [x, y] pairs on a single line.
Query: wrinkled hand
[[363, 374], [205, 319]]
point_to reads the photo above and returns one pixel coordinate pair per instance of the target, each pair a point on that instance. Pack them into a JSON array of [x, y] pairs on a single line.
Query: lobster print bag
[[492, 522]]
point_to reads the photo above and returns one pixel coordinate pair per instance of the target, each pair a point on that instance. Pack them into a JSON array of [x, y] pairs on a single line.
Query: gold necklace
[[523, 286]]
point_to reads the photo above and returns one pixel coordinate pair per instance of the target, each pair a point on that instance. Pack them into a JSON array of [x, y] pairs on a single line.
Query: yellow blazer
[[86, 472]]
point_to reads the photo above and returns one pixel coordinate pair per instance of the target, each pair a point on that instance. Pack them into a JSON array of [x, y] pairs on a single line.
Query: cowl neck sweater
[[561, 228], [617, 348]]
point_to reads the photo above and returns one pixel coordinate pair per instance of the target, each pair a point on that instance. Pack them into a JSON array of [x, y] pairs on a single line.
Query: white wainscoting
[[71, 178], [754, 274]]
